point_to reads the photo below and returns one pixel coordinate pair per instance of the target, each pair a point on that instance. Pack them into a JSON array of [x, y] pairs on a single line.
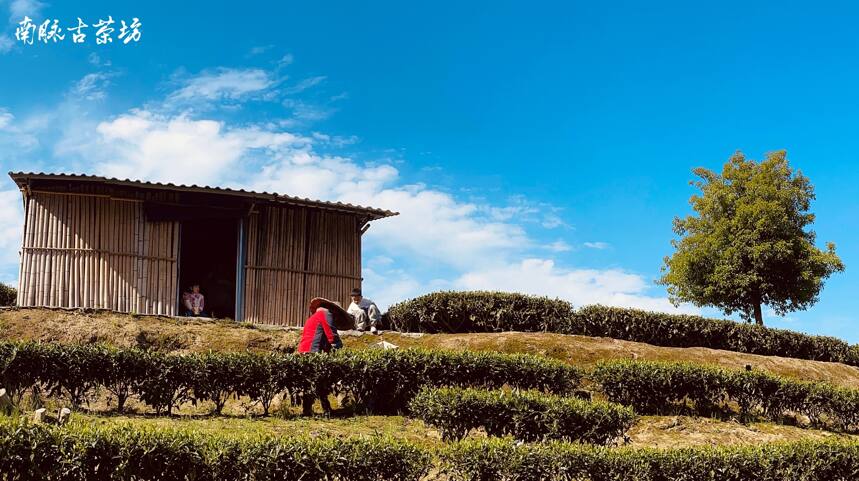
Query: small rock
[[39, 416], [64, 415], [385, 345]]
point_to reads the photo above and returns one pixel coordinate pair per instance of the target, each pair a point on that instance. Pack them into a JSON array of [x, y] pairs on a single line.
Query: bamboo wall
[[85, 250], [295, 254]]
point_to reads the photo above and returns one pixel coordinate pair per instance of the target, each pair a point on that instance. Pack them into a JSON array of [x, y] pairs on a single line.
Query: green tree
[[749, 243]]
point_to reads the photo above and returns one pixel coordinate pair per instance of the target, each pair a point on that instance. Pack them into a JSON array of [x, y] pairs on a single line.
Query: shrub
[[219, 376], [666, 387], [123, 370], [268, 375], [479, 312], [830, 460], [678, 330], [168, 380], [86, 453], [385, 381], [496, 311], [8, 295], [378, 381], [526, 415]]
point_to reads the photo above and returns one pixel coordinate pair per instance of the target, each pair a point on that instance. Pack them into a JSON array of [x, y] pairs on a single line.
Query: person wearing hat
[[365, 312], [319, 335]]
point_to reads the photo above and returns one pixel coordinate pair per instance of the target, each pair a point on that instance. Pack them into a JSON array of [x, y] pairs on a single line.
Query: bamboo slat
[[96, 250]]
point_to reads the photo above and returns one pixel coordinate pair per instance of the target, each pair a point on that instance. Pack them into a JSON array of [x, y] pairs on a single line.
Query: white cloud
[[6, 44], [11, 224], [304, 85], [580, 286], [596, 245], [18, 136], [19, 8], [6, 118], [178, 149], [260, 49], [286, 60], [92, 86], [559, 246], [223, 84], [303, 111]]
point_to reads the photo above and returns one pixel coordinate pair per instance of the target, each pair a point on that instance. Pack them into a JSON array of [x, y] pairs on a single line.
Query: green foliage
[[123, 371], [749, 244], [479, 311], [168, 380], [82, 453], [526, 415], [502, 459], [660, 329], [668, 388], [220, 375], [267, 375], [378, 381], [385, 381], [678, 330], [8, 295]]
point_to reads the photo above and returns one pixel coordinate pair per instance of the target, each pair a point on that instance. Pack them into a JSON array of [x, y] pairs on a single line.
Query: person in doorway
[[320, 335], [194, 302], [365, 312]]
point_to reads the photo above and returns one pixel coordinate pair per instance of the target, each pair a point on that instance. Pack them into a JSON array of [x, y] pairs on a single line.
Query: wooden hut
[[130, 246]]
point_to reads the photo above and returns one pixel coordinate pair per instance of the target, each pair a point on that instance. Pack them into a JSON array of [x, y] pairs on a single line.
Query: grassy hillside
[[195, 335], [652, 431]]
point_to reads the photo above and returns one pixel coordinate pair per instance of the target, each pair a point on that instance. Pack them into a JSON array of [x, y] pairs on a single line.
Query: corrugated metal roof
[[21, 178]]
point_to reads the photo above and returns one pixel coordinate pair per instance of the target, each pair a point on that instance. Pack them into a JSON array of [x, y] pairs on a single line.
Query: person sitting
[[194, 302], [365, 312], [320, 335]]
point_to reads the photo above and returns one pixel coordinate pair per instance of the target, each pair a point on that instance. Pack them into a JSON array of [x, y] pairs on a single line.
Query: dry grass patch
[[683, 431], [649, 431]]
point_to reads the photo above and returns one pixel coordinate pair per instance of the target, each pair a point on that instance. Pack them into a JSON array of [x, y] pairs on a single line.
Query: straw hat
[[342, 319]]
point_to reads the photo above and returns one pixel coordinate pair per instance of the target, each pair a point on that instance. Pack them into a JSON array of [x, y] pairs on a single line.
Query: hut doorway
[[207, 257]]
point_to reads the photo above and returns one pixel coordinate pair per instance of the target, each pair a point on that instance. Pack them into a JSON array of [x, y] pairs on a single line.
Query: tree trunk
[[759, 317]]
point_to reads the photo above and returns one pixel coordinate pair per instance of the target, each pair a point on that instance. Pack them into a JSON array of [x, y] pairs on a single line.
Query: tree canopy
[[749, 242]]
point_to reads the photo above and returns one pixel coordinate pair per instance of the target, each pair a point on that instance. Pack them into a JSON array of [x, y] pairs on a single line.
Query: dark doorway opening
[[208, 258]]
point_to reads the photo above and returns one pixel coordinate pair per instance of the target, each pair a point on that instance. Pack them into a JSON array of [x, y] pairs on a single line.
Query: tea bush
[[377, 381], [502, 459], [666, 387], [679, 330], [456, 312], [526, 415], [85, 453], [479, 311]]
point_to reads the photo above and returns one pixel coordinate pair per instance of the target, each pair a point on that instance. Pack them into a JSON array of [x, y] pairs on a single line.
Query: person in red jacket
[[320, 336], [319, 333]]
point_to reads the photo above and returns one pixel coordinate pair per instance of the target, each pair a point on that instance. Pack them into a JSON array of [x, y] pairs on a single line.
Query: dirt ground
[[199, 335]]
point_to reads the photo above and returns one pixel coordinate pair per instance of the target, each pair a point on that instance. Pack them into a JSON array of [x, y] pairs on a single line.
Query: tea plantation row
[[462, 312]]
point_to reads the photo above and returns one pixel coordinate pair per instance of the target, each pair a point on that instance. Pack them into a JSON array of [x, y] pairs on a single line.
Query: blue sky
[[536, 147]]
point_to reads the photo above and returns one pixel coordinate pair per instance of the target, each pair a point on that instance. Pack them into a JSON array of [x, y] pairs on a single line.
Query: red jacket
[[319, 333]]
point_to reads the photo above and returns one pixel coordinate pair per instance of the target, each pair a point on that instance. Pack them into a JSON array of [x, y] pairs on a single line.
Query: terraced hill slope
[[199, 335]]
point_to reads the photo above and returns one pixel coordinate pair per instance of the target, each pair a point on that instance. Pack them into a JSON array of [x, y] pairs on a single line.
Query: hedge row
[[39, 452], [77, 452], [525, 415], [377, 380], [665, 387], [500, 459], [479, 311], [496, 311]]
